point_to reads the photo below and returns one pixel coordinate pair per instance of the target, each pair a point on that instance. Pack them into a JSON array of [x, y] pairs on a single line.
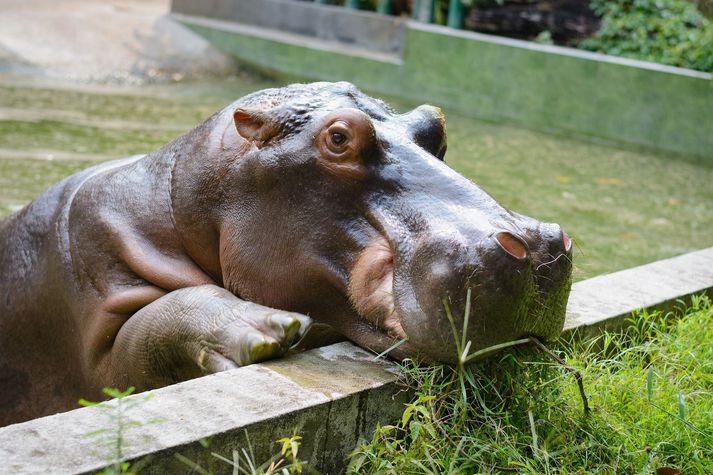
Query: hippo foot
[[201, 330], [250, 338]]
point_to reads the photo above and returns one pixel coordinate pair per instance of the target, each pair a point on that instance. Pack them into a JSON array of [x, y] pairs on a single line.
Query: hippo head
[[333, 205]]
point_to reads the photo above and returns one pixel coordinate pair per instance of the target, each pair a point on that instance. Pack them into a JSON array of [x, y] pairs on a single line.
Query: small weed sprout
[[286, 462], [114, 436], [290, 448]]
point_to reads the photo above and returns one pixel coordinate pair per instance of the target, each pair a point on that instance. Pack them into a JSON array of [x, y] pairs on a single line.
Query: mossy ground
[[650, 389], [623, 208]]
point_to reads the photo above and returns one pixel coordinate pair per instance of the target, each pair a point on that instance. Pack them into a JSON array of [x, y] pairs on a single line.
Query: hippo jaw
[[532, 305]]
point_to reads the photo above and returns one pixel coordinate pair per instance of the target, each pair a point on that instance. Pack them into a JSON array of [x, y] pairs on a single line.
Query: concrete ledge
[[331, 396], [604, 302], [560, 50], [377, 33], [288, 37]]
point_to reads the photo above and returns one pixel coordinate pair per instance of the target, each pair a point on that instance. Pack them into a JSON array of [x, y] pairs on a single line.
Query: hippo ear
[[427, 126], [255, 125]]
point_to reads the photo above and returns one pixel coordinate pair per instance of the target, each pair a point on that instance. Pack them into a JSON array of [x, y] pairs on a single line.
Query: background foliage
[[670, 32]]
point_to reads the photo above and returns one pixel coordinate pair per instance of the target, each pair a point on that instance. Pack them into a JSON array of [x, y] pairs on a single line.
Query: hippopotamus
[[307, 203]]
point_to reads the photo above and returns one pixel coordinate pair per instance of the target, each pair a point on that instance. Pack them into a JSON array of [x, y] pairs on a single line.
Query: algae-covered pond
[[623, 208]]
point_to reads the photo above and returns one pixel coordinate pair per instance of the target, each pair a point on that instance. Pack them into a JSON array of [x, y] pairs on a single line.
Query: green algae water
[[622, 208]]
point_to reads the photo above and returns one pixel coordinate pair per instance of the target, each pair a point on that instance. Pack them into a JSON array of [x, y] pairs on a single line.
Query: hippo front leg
[[195, 331]]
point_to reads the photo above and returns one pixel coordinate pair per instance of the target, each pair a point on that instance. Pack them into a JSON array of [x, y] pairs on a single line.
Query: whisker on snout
[[552, 261]]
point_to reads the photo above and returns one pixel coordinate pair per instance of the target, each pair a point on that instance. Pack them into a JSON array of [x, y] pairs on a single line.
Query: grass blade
[[533, 431], [650, 383], [449, 314], [500, 346], [466, 317], [390, 349]]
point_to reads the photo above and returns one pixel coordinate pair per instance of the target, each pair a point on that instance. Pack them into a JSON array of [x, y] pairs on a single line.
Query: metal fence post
[[455, 14], [423, 10], [384, 7]]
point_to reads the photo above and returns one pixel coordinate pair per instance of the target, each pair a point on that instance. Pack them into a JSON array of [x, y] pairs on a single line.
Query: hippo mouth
[[371, 288], [512, 304]]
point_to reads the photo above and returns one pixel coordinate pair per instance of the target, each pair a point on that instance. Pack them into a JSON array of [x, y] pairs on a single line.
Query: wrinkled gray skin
[[314, 199]]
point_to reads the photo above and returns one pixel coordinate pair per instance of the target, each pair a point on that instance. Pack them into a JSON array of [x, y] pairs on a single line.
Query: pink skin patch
[[511, 245], [566, 241], [371, 283]]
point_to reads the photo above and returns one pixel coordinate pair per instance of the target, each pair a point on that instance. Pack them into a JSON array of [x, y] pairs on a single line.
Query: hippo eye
[[347, 137], [338, 138]]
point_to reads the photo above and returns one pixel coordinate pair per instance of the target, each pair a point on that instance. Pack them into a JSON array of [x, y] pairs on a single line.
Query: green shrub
[[670, 32]]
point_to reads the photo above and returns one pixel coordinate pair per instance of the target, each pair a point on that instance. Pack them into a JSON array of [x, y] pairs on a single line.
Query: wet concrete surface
[[116, 41]]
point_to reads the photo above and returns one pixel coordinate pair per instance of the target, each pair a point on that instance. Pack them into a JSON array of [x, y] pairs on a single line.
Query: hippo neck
[[194, 160]]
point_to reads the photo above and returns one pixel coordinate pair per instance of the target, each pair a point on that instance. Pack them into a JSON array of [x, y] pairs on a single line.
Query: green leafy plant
[[544, 38], [671, 32], [114, 436], [290, 448]]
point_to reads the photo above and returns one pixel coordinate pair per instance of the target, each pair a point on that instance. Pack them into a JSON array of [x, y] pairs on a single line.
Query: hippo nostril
[[566, 241], [511, 244]]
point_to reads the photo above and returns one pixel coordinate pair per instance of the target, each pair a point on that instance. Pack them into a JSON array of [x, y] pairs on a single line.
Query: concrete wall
[[376, 32], [577, 92], [332, 397], [633, 103]]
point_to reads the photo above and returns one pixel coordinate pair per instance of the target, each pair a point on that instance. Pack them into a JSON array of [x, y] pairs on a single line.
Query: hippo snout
[[518, 282]]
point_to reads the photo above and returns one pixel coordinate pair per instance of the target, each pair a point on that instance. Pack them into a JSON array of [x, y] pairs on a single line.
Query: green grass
[[81, 139], [23, 179], [622, 208], [50, 132], [650, 389]]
